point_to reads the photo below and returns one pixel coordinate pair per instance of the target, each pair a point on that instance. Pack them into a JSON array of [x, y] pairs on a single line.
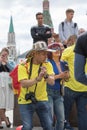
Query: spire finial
[[11, 28]]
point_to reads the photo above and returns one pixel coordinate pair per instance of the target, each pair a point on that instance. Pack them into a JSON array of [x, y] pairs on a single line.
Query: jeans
[[42, 109], [81, 103], [57, 105]]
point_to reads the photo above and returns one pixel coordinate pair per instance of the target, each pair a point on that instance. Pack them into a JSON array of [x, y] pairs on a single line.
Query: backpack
[[75, 24], [14, 76]]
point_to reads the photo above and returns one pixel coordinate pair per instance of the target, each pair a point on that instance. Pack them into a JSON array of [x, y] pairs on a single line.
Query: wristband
[[46, 76]]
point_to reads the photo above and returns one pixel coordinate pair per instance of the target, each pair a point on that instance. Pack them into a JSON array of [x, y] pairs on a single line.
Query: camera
[[31, 96], [66, 68]]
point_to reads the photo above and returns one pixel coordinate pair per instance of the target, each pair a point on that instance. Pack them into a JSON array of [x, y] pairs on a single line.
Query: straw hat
[[39, 46]]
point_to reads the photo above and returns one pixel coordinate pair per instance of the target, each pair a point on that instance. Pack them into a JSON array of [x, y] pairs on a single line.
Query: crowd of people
[[56, 77]]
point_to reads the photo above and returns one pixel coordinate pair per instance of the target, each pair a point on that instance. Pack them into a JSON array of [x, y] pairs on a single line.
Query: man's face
[[56, 54], [41, 56], [40, 19], [69, 15]]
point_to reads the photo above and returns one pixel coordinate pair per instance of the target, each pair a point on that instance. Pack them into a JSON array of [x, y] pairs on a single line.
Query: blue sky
[[23, 13]]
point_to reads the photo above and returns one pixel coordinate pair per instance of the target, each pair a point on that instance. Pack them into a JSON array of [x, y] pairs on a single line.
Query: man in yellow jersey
[[33, 95], [74, 91]]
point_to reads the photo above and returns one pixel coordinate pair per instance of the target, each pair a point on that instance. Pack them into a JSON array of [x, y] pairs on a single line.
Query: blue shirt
[[80, 62], [57, 84]]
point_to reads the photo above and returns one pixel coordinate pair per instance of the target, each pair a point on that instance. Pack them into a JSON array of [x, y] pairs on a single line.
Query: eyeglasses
[[56, 48]]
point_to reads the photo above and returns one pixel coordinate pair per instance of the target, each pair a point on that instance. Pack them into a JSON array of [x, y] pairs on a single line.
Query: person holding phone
[[55, 92], [6, 94]]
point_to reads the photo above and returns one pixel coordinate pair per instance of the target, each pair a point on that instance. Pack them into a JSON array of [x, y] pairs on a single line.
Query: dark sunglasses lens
[[56, 48]]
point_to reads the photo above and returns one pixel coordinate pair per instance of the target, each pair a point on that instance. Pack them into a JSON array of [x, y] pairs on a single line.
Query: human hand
[[3, 59], [65, 42], [48, 32], [66, 75], [43, 72]]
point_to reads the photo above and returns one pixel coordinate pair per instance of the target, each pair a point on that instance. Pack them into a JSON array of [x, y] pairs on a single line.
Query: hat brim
[[51, 50], [30, 53]]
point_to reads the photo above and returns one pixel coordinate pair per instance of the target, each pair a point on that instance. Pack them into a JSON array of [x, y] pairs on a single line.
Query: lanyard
[[30, 72]]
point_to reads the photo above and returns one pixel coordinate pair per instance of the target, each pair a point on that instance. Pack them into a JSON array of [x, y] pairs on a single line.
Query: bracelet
[[38, 80], [46, 76]]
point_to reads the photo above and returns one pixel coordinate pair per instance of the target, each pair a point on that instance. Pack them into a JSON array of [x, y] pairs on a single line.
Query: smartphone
[[66, 68]]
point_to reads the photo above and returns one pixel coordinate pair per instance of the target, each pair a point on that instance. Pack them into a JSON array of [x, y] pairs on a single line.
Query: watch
[[46, 76]]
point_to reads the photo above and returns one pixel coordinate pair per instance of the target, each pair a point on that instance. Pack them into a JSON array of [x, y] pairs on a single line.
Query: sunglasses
[[56, 48]]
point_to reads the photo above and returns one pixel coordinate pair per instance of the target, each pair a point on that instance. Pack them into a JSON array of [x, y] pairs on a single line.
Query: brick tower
[[46, 13]]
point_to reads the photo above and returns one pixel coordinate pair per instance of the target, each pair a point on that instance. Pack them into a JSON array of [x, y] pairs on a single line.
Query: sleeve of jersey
[[49, 68], [22, 73], [65, 55]]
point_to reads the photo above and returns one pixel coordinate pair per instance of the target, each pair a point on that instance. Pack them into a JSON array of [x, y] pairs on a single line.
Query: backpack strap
[[62, 23], [30, 72], [75, 24]]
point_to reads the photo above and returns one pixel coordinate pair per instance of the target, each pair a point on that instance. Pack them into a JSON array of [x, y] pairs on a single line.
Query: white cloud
[[23, 13]]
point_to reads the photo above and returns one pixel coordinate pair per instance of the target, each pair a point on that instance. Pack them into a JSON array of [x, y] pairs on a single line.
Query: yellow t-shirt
[[40, 93], [68, 56]]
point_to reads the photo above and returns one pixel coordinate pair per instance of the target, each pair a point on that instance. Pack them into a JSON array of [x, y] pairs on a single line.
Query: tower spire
[[11, 28], [46, 13], [11, 41]]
